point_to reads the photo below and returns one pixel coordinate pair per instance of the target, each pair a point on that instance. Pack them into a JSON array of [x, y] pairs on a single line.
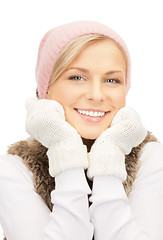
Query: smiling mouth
[[91, 113]]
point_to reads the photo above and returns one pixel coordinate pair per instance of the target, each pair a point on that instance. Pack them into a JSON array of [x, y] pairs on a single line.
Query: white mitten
[[107, 155], [46, 123]]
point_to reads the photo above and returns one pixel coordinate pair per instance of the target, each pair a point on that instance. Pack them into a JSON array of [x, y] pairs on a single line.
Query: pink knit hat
[[57, 38]]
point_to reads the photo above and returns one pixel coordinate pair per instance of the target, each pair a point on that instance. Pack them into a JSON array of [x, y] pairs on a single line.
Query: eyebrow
[[87, 71]]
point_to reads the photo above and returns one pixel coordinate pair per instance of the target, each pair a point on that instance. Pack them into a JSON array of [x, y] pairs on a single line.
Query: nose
[[95, 92]]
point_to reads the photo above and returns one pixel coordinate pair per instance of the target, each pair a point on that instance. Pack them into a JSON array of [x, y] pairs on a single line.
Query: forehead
[[101, 52], [106, 45]]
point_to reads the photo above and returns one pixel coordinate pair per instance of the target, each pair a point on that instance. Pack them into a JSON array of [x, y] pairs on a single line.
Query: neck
[[88, 143]]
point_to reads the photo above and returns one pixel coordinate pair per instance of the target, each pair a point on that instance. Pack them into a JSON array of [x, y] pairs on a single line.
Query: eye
[[112, 80], [76, 77]]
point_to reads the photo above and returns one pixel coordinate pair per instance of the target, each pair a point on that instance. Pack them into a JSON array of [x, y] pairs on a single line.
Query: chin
[[90, 136]]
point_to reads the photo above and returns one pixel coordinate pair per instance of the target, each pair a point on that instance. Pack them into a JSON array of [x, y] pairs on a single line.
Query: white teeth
[[91, 113]]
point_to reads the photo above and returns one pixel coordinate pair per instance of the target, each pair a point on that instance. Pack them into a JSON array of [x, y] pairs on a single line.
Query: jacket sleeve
[[24, 215], [138, 216]]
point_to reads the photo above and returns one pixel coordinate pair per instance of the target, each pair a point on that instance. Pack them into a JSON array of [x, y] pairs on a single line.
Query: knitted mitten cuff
[[66, 155], [72, 180], [110, 160]]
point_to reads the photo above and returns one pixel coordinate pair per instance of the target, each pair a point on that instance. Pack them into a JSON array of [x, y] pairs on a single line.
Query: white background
[[23, 24]]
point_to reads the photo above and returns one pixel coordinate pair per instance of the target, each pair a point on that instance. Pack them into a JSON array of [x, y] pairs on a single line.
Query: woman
[[90, 169]]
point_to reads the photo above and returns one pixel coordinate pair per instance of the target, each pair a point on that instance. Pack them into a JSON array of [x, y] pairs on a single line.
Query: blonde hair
[[71, 50]]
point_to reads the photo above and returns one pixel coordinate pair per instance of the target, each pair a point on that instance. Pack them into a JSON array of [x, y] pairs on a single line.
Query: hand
[[46, 123], [107, 155]]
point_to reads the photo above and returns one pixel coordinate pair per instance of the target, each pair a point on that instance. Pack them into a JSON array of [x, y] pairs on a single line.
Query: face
[[92, 88]]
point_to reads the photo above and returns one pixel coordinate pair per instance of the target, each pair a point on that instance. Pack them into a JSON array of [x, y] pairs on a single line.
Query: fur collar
[[35, 159]]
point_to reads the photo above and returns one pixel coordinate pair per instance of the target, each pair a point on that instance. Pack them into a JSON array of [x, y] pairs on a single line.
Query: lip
[[91, 119]]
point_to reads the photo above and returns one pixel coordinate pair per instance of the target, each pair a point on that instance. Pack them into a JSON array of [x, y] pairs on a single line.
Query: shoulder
[[153, 150], [12, 166], [152, 158]]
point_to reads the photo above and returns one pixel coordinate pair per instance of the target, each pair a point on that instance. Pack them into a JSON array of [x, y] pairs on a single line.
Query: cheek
[[61, 94], [119, 98], [64, 97], [117, 101]]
